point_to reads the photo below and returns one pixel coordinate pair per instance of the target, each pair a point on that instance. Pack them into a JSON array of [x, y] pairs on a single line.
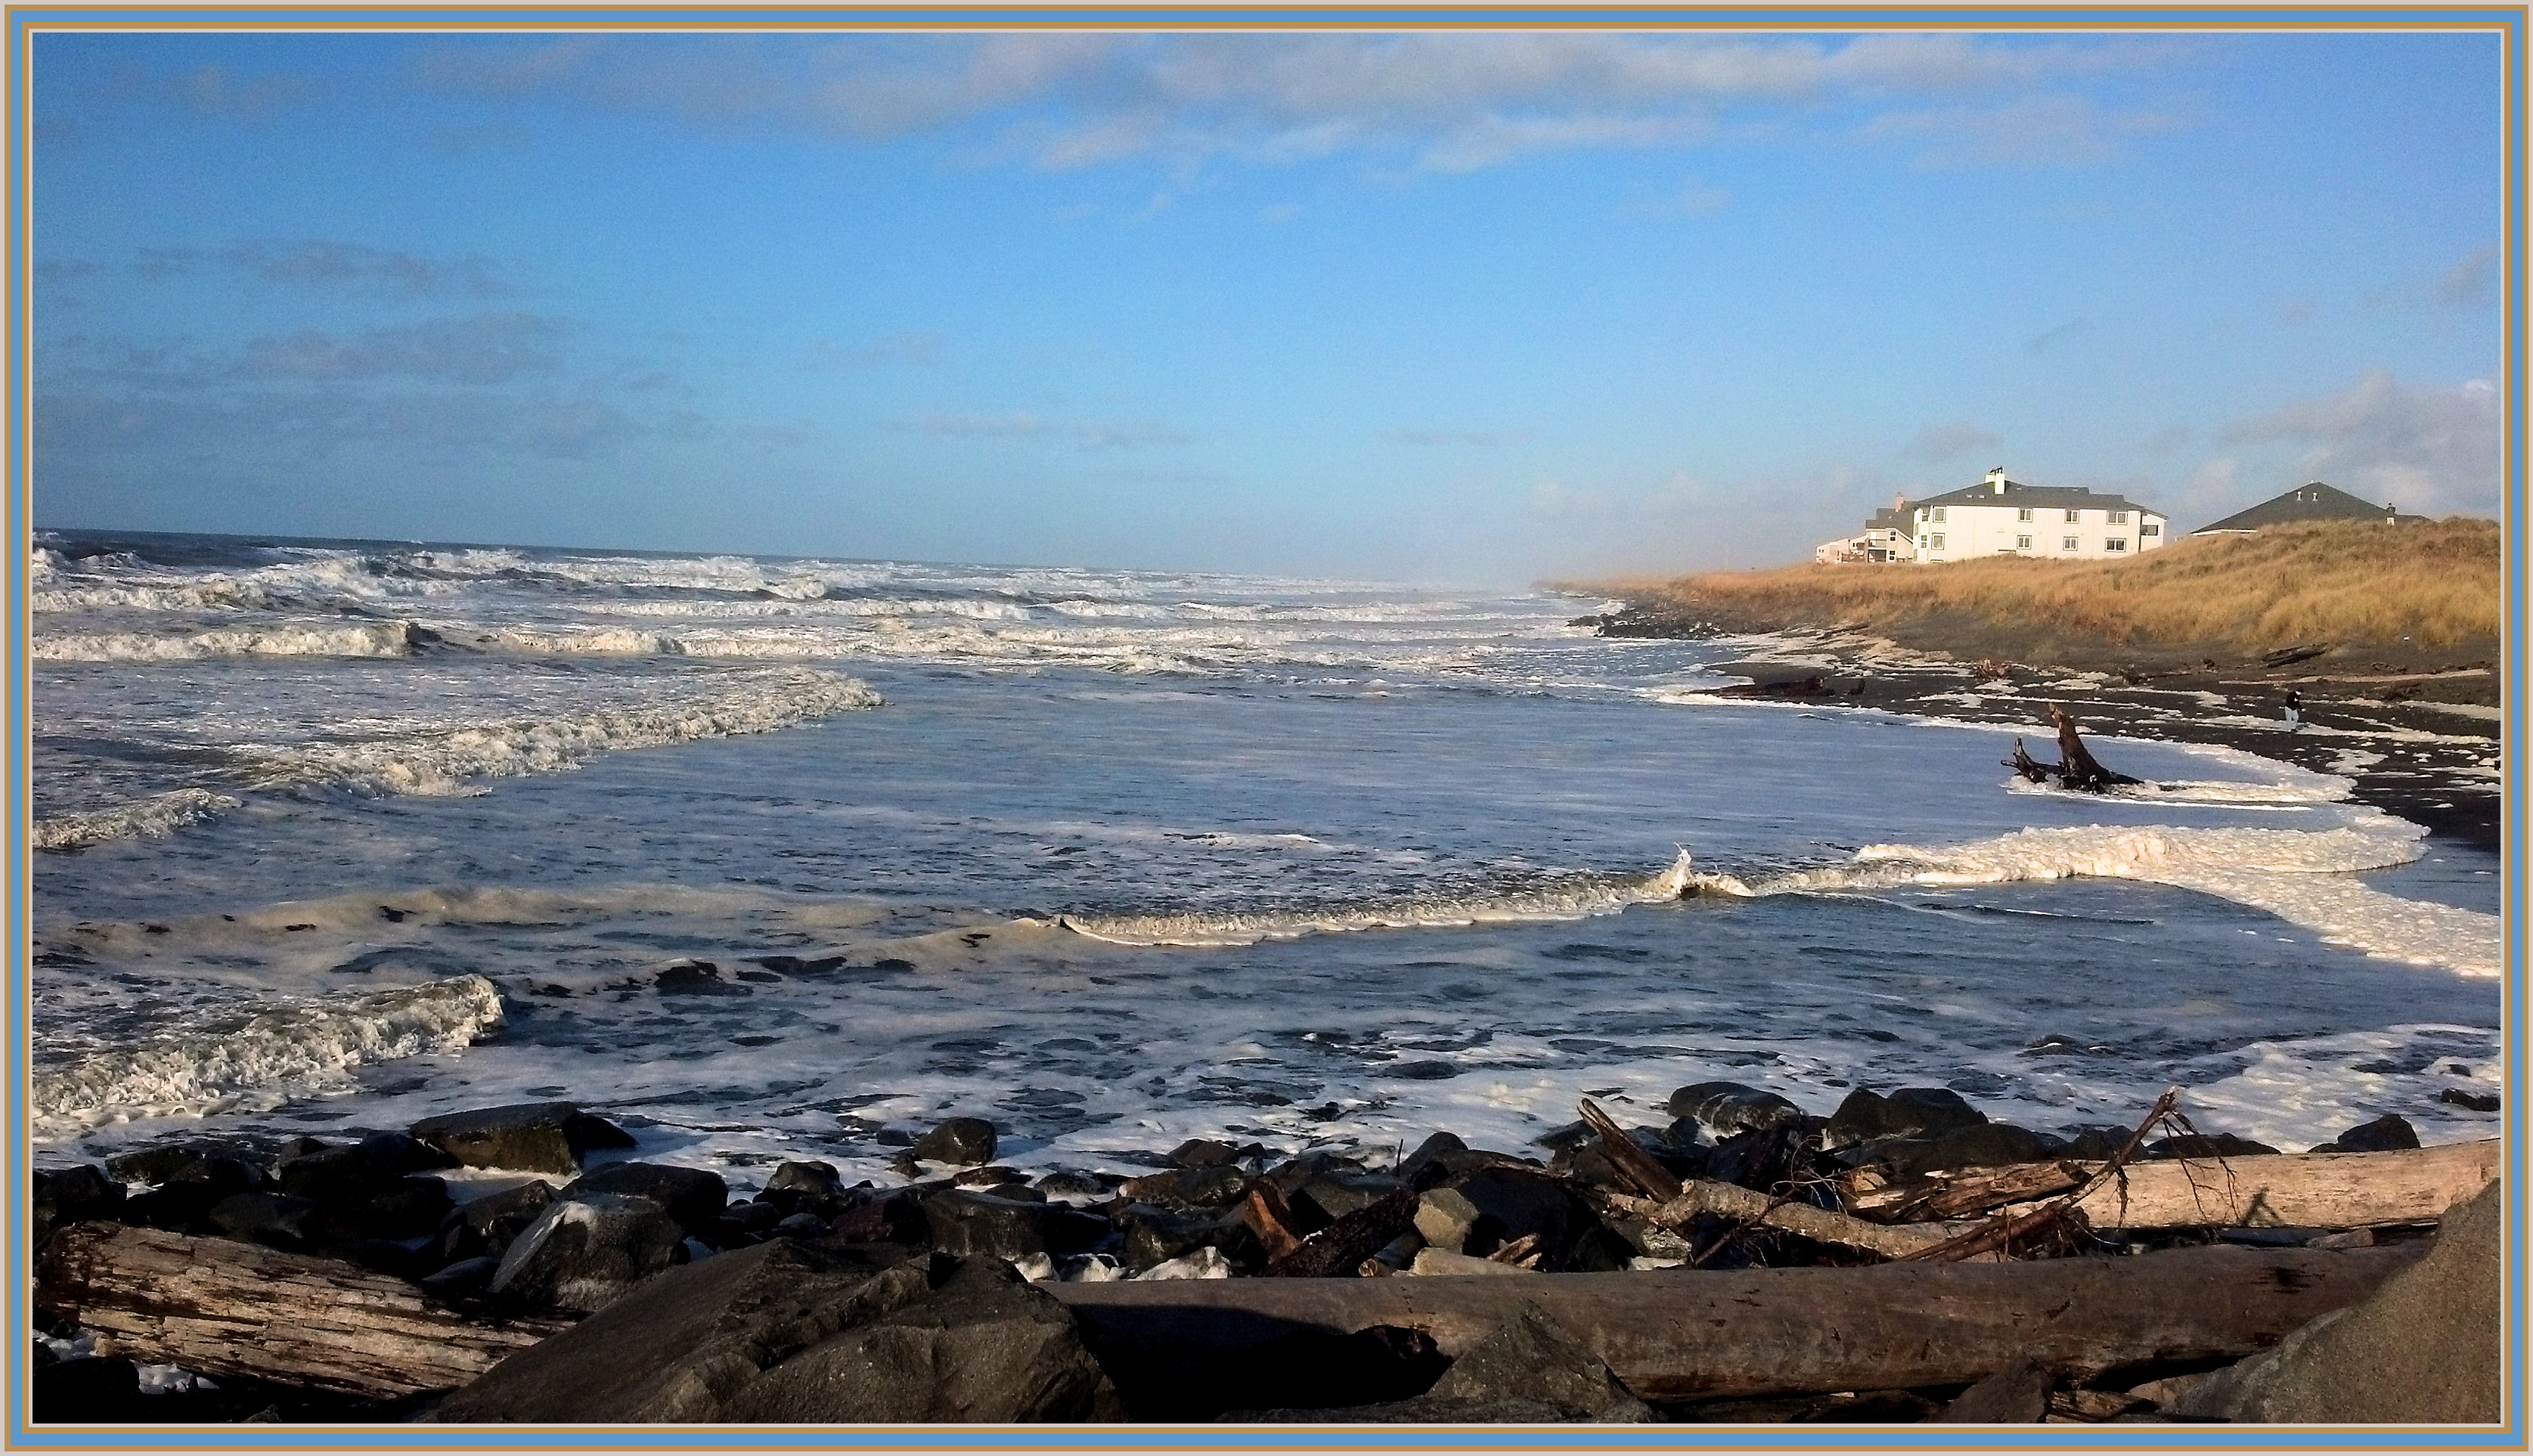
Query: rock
[[464, 1279], [2017, 1395], [896, 1217], [1074, 1186], [206, 1163], [1208, 1262], [532, 1137], [2476, 1101], [693, 1196], [1157, 1236], [411, 1207], [1909, 1112], [280, 1221], [1203, 1152], [991, 1176], [1727, 1107], [495, 1219], [978, 1345], [1986, 1146], [1761, 1158], [2094, 1144], [1427, 1152], [2385, 1134], [346, 1174], [61, 1197], [1505, 1205], [1332, 1195], [98, 1390], [583, 1253], [695, 978], [677, 1348], [1446, 1218], [1218, 1185], [815, 1178], [2424, 1349], [962, 1141], [2205, 1145], [972, 1223], [801, 1226], [400, 1153]]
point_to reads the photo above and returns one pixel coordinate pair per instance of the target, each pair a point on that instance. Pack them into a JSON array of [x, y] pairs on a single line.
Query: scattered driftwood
[[2286, 656], [220, 1307], [1271, 1218], [1754, 1210], [1679, 1334], [1633, 1163], [2057, 1219], [1340, 1248], [1966, 1194]]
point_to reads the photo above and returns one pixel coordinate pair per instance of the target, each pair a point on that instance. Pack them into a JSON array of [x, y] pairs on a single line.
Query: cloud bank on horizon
[[1476, 305]]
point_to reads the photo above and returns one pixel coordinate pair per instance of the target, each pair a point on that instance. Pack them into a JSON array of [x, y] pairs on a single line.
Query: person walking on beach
[[2295, 710]]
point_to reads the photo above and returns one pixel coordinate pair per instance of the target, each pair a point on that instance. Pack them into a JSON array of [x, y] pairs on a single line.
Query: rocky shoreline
[[512, 1264], [2418, 735]]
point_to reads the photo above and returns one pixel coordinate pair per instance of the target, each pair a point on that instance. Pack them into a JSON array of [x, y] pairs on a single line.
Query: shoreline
[[2421, 745]]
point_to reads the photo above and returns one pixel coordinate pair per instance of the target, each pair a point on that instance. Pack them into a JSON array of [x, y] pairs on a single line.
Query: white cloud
[[2029, 131], [2432, 450], [1439, 101]]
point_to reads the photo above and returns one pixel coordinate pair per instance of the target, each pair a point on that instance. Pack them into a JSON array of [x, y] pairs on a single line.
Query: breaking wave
[[389, 639], [449, 762], [149, 818], [2301, 876], [297, 1051], [1598, 896]]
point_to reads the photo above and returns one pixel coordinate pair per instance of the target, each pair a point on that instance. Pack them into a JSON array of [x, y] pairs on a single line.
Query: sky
[[1458, 307]]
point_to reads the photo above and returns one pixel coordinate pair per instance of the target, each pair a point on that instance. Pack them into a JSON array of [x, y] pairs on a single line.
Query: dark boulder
[[2475, 1101], [465, 1279], [2385, 1134], [1210, 1152], [970, 1343], [400, 1153], [1218, 1185], [783, 1333], [972, 1223], [62, 1196], [1479, 1212], [2097, 1144], [97, 1390], [896, 1217], [696, 978], [2017, 1395], [1332, 1195], [1428, 1153], [816, 1179], [222, 1169], [583, 1253], [411, 1207], [962, 1141], [280, 1221], [693, 1196], [343, 1174], [532, 1137], [1909, 1112], [1986, 1145], [1154, 1236], [2205, 1145], [489, 1223], [1724, 1108]]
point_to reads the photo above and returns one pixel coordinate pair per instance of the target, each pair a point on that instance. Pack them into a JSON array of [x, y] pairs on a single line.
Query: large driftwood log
[[2295, 1191], [1680, 1334], [222, 1308]]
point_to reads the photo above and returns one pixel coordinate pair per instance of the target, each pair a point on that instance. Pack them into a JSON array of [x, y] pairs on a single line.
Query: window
[[2071, 519], [2067, 543], [2023, 513], [1939, 512], [2023, 543], [1921, 543], [2149, 528], [2115, 543], [1935, 542], [2119, 518]]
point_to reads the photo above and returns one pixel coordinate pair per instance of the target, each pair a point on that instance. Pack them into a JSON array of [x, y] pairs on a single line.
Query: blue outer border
[[23, 20]]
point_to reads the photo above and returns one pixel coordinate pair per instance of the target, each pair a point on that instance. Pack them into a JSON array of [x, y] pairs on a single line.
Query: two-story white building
[[2003, 517]]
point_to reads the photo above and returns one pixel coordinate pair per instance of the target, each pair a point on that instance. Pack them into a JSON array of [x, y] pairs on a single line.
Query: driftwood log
[[1682, 1334], [222, 1308], [1728, 1200], [2295, 1191]]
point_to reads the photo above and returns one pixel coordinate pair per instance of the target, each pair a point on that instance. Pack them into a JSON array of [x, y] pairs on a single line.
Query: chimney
[[1899, 503], [1996, 481]]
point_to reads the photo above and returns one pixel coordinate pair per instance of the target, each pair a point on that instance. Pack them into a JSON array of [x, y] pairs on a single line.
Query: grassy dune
[[2414, 589]]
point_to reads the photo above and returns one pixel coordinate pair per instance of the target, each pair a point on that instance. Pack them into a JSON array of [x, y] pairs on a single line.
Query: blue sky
[[1452, 307]]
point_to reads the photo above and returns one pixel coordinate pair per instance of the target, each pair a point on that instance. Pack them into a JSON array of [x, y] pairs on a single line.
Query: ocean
[[769, 858]]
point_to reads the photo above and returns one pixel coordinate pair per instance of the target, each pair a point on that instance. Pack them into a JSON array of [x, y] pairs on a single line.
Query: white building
[[1887, 537], [2003, 517]]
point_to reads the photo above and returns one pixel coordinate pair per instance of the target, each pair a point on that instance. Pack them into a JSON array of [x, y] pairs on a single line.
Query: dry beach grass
[[2433, 586]]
